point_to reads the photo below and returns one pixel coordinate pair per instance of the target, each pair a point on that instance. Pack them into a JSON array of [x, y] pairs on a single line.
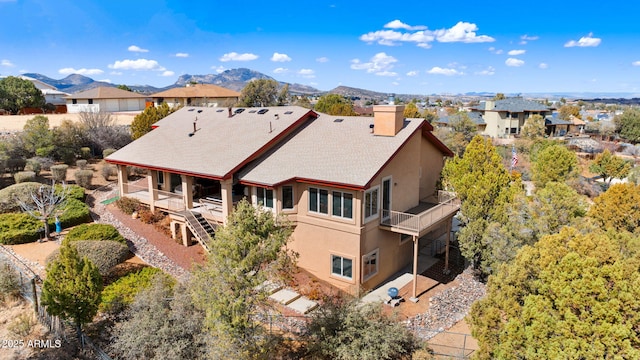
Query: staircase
[[202, 230]]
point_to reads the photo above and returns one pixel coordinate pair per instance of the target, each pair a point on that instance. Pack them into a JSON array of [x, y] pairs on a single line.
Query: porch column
[[186, 235], [226, 188], [187, 191], [446, 252], [166, 181], [122, 180], [152, 181], [416, 249]]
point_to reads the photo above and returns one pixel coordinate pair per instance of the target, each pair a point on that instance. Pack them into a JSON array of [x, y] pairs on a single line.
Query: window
[[265, 197], [287, 197], [514, 130], [74, 101], [371, 204], [341, 266], [369, 265], [90, 101], [342, 205], [160, 177], [319, 200]]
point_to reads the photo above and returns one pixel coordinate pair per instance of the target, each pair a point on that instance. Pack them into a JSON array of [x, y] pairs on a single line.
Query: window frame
[[366, 258], [342, 207], [260, 197], [293, 198], [318, 202], [376, 213], [342, 267]]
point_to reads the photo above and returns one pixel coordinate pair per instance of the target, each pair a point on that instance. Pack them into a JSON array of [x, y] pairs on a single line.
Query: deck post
[[446, 252], [152, 181], [416, 249], [122, 180], [226, 187], [187, 191]]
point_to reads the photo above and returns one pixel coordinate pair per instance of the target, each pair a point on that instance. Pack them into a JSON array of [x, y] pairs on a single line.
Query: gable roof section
[[197, 91], [220, 145], [513, 105], [105, 92], [341, 153], [476, 117]]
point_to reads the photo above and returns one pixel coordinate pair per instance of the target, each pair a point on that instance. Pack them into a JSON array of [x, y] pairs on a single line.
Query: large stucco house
[[105, 98], [505, 118], [207, 95], [360, 191]]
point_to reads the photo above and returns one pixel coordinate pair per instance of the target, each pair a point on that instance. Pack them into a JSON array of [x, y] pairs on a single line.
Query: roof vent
[[338, 120], [262, 111], [220, 110], [191, 109], [252, 111], [199, 110], [238, 111], [288, 112]]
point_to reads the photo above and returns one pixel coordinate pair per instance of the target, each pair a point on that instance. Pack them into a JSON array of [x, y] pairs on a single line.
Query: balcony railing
[[169, 201], [415, 223]]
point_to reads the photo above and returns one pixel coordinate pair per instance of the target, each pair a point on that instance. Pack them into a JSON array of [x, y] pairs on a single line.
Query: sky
[[409, 47]]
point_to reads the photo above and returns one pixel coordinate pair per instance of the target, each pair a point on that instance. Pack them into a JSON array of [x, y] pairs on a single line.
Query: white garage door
[[133, 104], [112, 105]]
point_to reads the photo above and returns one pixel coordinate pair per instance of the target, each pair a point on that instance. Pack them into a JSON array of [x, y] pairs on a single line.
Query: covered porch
[[418, 221]]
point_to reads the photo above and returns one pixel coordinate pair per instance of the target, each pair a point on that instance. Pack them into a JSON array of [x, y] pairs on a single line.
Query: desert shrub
[[81, 164], [24, 176], [121, 293], [128, 205], [149, 217], [85, 153], [83, 178], [9, 282], [107, 152], [20, 191], [103, 254], [16, 164], [95, 231], [59, 172], [22, 325], [74, 212], [18, 228], [108, 171], [73, 191], [33, 165], [137, 171], [45, 162]]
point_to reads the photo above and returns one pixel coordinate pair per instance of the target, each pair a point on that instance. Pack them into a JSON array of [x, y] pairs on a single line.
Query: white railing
[[172, 202], [448, 204]]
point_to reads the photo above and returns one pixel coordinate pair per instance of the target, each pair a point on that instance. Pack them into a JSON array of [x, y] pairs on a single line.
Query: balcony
[[421, 219]]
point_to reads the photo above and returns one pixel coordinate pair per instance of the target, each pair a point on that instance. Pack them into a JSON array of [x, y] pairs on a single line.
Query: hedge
[[18, 228], [95, 231], [23, 192], [103, 254], [75, 213], [120, 294]]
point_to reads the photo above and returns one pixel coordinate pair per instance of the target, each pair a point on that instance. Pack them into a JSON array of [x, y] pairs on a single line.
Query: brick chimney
[[388, 120]]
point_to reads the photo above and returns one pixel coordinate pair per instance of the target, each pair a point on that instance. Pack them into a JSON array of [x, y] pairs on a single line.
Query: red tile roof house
[[361, 191]]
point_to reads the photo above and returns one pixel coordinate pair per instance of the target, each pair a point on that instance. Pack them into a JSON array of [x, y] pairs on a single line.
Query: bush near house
[[83, 178], [21, 191], [120, 294], [59, 172], [95, 231], [18, 228], [24, 176], [75, 212], [128, 205], [103, 254]]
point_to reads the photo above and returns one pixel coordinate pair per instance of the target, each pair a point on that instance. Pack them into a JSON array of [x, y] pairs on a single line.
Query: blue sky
[[420, 47]]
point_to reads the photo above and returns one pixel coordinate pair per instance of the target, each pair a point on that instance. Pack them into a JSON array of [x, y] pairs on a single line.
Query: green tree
[[566, 111], [124, 87], [283, 95], [17, 94], [485, 187], [349, 330], [554, 163], [429, 115], [37, 137], [302, 101], [617, 208], [69, 137], [533, 127], [610, 166], [554, 206], [260, 93], [459, 133], [573, 295], [499, 96], [241, 256], [411, 111], [142, 122], [628, 124], [72, 288], [334, 104]]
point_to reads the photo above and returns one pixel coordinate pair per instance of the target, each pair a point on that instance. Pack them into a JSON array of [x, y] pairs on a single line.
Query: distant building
[[207, 95], [505, 118], [104, 98]]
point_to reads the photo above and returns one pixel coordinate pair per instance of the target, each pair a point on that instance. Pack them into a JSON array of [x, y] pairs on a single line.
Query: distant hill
[[71, 84]]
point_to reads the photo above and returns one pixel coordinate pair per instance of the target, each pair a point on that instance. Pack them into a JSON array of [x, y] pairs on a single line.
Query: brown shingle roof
[[197, 91], [106, 92]]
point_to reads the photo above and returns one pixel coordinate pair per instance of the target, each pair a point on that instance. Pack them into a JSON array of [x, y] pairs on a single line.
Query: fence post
[[35, 295]]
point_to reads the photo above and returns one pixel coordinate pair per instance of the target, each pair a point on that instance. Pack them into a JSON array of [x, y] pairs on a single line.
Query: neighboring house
[[360, 191], [504, 118], [105, 98], [475, 116], [197, 95], [554, 126], [51, 94]]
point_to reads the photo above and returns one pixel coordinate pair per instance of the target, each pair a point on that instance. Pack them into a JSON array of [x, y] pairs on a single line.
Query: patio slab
[[284, 296], [303, 305]]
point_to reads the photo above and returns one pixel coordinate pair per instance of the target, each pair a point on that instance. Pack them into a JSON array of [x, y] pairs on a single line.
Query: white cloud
[[182, 55], [167, 73], [307, 73], [83, 71], [138, 64], [516, 52], [487, 72], [118, 73], [496, 51], [219, 69], [585, 41], [280, 70], [323, 59], [379, 63], [636, 63], [234, 56], [277, 57], [105, 80], [412, 73], [436, 70], [387, 73], [6, 63], [135, 48], [514, 62], [461, 32], [543, 66], [397, 24], [526, 38]]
